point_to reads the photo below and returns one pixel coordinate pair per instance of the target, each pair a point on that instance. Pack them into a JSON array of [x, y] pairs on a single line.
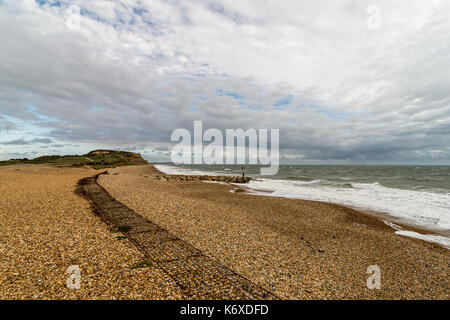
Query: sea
[[417, 195]]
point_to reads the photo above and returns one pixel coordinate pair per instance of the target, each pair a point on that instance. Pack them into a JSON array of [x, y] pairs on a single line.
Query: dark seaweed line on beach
[[197, 275]]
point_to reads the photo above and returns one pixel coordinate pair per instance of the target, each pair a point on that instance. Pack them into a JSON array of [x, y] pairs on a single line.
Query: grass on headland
[[98, 159]]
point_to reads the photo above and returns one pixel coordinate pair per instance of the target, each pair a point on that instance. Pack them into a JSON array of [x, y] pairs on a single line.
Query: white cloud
[[153, 66]]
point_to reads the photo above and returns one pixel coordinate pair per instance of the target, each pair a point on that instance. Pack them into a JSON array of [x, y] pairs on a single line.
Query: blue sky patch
[[234, 95], [42, 118], [48, 2], [284, 102]]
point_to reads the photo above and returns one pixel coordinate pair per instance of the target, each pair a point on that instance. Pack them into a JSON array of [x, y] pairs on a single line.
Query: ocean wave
[[443, 241], [422, 208], [426, 209]]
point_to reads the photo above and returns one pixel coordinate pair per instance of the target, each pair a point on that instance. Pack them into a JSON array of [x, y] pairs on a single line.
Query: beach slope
[[293, 248]]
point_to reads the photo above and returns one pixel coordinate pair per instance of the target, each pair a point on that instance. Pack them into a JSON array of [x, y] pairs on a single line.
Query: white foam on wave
[[422, 208], [426, 209], [441, 240], [393, 225], [217, 182]]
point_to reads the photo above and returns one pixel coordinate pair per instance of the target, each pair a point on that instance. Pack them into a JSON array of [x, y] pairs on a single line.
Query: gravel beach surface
[[45, 228], [293, 248]]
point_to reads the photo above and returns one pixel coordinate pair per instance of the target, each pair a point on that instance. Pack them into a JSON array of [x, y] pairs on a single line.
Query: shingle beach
[[45, 228], [292, 248], [295, 249]]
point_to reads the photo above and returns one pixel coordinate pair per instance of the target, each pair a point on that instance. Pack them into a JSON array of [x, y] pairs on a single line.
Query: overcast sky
[[340, 88]]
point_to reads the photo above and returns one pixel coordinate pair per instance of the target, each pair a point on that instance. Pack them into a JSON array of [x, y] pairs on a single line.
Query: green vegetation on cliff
[[98, 159]]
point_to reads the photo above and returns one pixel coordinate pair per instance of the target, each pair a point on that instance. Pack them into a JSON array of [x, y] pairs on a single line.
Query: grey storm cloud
[[7, 125], [21, 142], [132, 73]]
